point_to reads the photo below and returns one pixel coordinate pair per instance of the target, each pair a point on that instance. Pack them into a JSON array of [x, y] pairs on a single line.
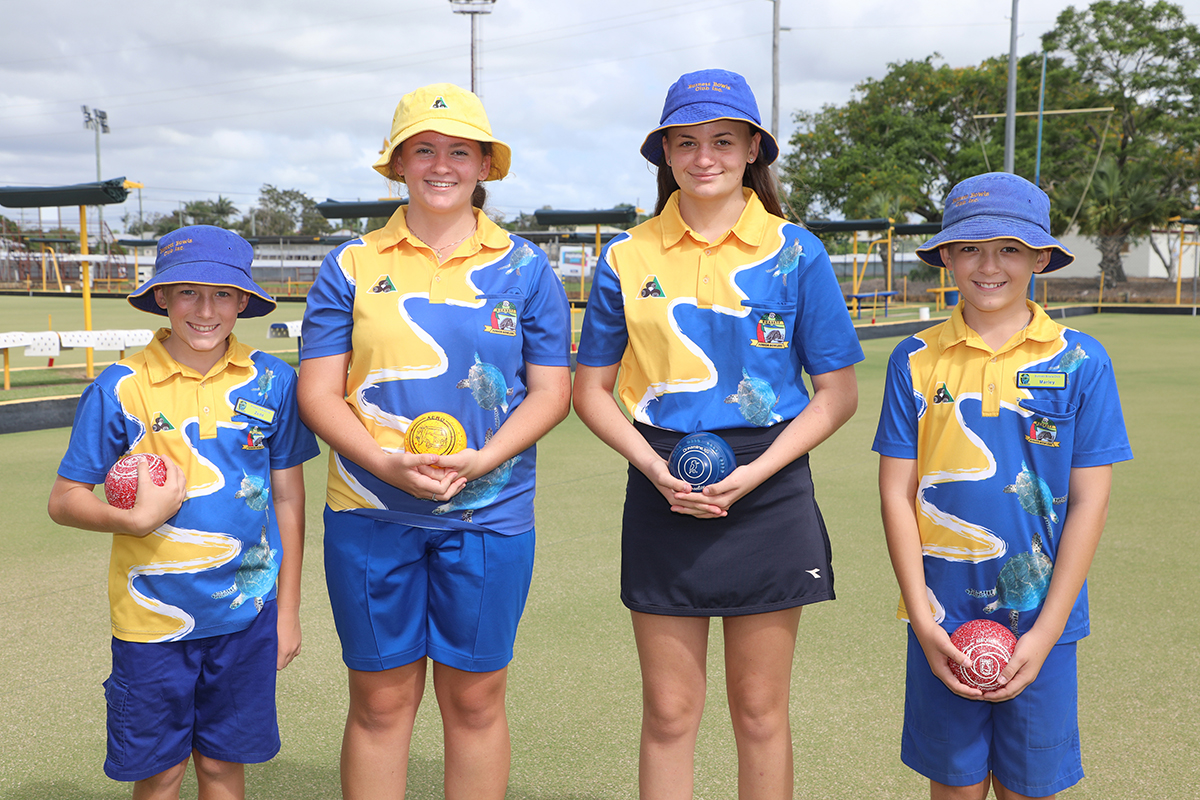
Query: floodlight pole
[[1010, 118], [473, 8], [97, 120]]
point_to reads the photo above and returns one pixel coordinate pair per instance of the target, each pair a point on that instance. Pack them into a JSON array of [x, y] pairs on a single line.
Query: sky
[[219, 98]]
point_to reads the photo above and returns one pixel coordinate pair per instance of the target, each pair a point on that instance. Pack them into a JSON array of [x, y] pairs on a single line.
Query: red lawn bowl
[[120, 486], [989, 645]]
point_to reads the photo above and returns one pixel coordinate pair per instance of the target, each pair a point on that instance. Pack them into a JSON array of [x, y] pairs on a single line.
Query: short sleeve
[[825, 335], [896, 435], [604, 337], [328, 326], [98, 436], [546, 320], [1100, 435]]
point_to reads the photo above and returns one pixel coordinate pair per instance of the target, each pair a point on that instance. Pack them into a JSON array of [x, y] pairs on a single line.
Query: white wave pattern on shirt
[[385, 374], [226, 549], [989, 544], [368, 497], [218, 482], [656, 390]]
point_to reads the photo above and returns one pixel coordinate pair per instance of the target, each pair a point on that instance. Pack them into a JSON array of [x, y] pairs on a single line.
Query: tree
[[906, 138], [1119, 203], [284, 212], [1143, 59]]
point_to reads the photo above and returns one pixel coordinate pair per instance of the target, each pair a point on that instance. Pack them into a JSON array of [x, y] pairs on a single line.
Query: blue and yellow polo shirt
[[716, 335], [995, 435], [207, 571], [455, 339]]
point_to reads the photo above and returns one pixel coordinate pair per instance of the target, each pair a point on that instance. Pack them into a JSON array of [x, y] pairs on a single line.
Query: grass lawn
[[574, 692]]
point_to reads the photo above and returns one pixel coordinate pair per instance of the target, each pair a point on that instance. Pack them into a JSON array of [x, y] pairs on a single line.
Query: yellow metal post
[[1179, 269], [85, 280], [891, 227]]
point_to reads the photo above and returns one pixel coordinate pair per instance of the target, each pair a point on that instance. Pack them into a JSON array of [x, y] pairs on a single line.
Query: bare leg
[[940, 791], [163, 786], [219, 780], [383, 707], [672, 653], [758, 677], [475, 724]]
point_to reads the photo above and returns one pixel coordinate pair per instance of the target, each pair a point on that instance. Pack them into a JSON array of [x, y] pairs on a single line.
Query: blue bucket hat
[[997, 205], [207, 255], [706, 96]]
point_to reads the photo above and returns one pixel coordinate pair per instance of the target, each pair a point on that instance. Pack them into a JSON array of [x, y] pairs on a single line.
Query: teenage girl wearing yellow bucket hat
[[429, 557]]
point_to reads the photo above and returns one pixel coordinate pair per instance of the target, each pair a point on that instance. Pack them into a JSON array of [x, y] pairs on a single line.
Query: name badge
[[258, 412], [1042, 380]]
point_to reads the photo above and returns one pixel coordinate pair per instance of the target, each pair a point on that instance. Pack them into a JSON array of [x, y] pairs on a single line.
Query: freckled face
[[441, 171]]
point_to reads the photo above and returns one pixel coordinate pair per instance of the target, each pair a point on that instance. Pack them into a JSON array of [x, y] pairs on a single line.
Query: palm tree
[[1120, 204]]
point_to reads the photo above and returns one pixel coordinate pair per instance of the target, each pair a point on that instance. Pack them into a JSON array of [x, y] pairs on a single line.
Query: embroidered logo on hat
[[438, 102]]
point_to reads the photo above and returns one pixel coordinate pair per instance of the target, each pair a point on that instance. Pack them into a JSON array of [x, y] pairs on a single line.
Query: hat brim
[[699, 114], [501, 152], [203, 273], [991, 228]]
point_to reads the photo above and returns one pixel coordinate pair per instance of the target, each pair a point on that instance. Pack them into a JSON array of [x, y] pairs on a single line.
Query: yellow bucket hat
[[449, 110]]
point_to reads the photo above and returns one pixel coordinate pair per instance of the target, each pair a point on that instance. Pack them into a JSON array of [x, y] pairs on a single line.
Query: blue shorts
[[401, 593], [1029, 743], [215, 695]]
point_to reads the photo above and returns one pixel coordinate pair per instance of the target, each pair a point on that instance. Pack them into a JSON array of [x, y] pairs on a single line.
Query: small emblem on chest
[[771, 332], [651, 287]]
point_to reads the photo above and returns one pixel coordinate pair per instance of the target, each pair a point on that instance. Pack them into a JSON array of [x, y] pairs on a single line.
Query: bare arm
[[320, 392], [75, 505], [596, 406], [897, 496], [1087, 511], [546, 403], [287, 493]]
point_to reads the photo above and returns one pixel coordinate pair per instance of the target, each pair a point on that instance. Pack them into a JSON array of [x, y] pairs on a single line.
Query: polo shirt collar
[[1040, 329], [750, 227], [487, 233], [160, 365]]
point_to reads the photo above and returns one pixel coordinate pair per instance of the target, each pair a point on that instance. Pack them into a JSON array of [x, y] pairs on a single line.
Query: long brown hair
[[758, 176]]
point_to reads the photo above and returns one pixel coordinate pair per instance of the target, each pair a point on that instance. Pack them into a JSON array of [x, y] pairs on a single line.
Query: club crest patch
[[771, 332], [651, 287], [254, 438], [504, 319], [942, 395], [383, 286], [161, 423], [1042, 431]]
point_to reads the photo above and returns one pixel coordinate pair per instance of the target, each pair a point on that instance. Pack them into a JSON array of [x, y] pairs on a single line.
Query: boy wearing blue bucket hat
[[997, 437], [204, 575]]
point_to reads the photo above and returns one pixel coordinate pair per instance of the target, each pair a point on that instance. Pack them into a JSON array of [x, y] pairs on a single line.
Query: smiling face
[[993, 276], [709, 160], [441, 171], [202, 317]]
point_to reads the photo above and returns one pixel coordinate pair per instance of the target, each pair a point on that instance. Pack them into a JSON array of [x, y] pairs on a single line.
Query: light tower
[[474, 8], [97, 120]]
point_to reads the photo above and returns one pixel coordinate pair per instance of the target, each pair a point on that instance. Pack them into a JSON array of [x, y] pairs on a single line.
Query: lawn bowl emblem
[[989, 645], [701, 459], [435, 432], [120, 485]]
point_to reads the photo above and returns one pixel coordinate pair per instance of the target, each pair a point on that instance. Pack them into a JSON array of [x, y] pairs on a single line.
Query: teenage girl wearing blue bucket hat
[[704, 319]]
